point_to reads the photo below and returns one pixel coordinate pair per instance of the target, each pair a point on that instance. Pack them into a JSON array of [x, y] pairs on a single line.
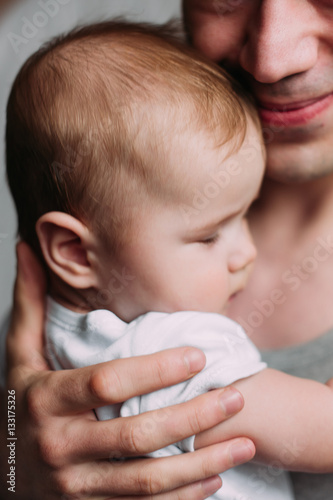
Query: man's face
[[283, 51]]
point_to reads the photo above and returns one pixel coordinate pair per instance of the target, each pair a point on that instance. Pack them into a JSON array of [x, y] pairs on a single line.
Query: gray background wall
[[23, 28]]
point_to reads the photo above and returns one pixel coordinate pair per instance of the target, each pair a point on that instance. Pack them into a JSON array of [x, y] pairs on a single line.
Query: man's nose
[[281, 40]]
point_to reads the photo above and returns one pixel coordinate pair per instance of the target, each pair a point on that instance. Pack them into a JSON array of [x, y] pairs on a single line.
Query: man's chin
[[297, 164]]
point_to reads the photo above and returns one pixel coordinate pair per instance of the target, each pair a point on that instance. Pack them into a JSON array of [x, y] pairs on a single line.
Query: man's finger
[[156, 476], [25, 337], [81, 389], [196, 491], [142, 434]]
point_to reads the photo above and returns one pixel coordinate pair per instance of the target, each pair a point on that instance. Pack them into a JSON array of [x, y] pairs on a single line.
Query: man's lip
[[289, 106], [293, 113]]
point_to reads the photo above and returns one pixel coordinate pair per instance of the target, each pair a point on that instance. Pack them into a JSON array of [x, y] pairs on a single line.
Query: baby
[[133, 161]]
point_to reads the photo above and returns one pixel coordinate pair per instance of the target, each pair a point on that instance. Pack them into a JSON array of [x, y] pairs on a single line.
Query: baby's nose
[[244, 253]]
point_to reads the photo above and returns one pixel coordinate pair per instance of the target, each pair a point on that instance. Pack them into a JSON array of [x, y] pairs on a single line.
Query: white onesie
[[76, 340]]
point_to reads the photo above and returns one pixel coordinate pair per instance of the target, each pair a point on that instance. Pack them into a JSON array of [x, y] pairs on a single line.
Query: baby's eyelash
[[210, 240]]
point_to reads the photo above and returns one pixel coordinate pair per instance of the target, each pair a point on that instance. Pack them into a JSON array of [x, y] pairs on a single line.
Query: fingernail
[[211, 485], [241, 451], [195, 360], [231, 401]]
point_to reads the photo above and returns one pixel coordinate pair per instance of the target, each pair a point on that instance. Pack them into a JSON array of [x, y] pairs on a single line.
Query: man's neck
[[287, 301], [306, 203]]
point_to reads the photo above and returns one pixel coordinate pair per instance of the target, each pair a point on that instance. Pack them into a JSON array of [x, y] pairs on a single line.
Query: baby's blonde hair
[[82, 134]]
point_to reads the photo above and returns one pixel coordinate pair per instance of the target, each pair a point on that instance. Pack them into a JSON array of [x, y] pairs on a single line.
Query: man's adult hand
[[62, 452]]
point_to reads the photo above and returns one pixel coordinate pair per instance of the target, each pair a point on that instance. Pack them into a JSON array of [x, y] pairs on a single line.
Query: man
[[282, 50]]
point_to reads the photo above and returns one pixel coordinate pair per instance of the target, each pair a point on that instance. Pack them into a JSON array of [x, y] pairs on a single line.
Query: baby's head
[[132, 162]]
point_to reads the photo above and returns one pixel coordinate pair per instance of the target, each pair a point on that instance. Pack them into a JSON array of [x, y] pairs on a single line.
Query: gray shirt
[[313, 360]]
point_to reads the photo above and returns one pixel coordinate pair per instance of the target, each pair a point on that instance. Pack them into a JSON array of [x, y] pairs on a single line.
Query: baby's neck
[[80, 301]]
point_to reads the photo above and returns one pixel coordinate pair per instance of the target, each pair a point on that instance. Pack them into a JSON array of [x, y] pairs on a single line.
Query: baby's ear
[[68, 248]]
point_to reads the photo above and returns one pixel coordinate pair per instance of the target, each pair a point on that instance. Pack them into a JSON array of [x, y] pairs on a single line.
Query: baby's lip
[[233, 296]]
